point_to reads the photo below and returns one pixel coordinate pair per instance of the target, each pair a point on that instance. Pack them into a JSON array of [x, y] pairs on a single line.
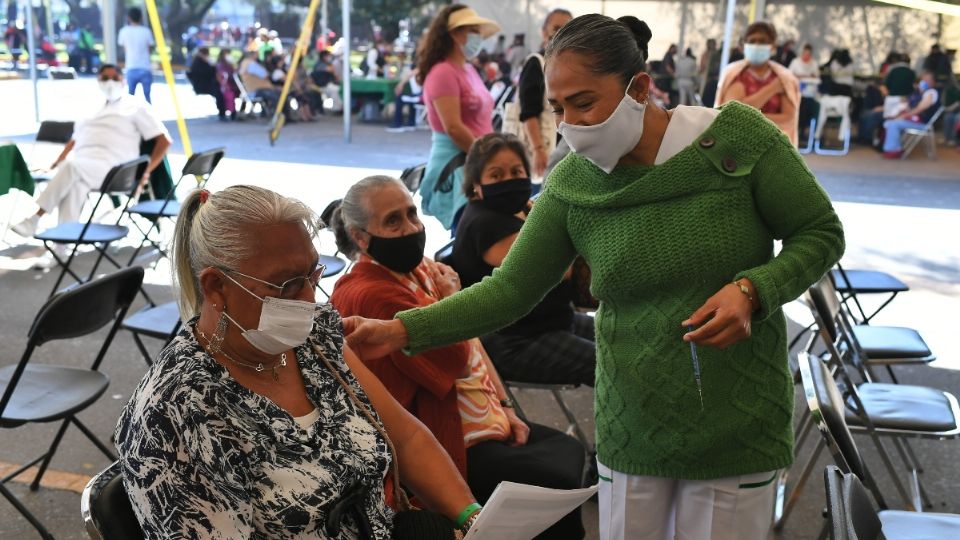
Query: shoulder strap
[[445, 180]]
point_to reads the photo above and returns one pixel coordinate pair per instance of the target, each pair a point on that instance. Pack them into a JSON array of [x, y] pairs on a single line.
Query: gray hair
[[353, 212], [215, 233], [614, 46]]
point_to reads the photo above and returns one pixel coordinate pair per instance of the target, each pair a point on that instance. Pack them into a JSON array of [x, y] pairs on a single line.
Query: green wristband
[[466, 513]]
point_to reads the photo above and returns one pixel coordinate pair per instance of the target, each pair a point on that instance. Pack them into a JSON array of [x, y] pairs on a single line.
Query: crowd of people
[[270, 415]]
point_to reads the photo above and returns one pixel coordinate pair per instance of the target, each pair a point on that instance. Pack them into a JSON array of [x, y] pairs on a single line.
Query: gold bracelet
[[744, 289]]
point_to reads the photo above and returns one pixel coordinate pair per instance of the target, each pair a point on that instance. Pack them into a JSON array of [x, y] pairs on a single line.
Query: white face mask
[[473, 46], [605, 143], [756, 53], [112, 90], [284, 324]]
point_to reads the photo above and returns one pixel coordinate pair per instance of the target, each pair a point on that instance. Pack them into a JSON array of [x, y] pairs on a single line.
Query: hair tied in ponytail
[[204, 195]]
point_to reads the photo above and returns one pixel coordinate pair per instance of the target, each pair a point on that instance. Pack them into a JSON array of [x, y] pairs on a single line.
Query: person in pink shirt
[[459, 107]]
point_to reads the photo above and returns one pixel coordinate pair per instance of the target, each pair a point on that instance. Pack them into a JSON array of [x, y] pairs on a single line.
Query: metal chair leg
[[572, 423], [782, 511], [920, 497], [143, 348], [9, 496], [35, 485], [93, 438], [907, 499]]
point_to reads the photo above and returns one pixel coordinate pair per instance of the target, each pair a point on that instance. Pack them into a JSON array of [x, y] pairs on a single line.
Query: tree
[[179, 15]]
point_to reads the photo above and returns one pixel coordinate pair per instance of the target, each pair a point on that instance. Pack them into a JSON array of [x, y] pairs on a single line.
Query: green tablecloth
[[382, 87], [14, 172]]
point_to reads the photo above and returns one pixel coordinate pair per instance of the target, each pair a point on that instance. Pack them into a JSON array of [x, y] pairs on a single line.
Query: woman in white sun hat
[[459, 107]]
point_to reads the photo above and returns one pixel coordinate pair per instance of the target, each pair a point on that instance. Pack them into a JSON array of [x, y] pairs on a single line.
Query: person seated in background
[[553, 343], [807, 72], [203, 78], [256, 80], [871, 115], [256, 421], [277, 67], [921, 106], [408, 94], [455, 390], [111, 137], [228, 86], [762, 83]]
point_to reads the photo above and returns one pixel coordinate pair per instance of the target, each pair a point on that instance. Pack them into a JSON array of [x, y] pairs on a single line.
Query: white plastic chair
[[833, 107]]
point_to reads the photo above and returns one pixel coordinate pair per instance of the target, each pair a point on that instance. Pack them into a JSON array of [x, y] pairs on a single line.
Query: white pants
[[68, 189], [654, 508]]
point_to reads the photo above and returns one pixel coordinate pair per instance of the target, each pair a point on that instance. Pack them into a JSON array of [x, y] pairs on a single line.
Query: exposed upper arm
[[400, 424], [496, 253], [736, 92], [448, 109]]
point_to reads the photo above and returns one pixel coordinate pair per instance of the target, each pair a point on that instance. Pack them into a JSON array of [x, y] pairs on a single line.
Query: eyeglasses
[[292, 287]]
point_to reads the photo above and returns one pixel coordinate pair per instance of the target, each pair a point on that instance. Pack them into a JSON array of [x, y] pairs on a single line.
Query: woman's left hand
[[723, 320], [446, 279], [519, 430]]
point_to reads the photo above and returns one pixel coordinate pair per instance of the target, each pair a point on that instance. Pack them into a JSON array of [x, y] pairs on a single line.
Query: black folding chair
[[40, 393], [159, 322], [50, 132], [852, 283], [122, 180], [852, 515], [866, 346], [334, 263], [413, 176], [106, 509], [876, 409], [200, 166], [445, 254]]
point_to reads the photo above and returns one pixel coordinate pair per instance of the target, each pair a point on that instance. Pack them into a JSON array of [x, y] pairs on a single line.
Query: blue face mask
[[473, 46], [756, 53], [924, 86]]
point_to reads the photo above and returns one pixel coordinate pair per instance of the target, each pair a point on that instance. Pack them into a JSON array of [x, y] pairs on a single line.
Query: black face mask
[[508, 197], [401, 254]]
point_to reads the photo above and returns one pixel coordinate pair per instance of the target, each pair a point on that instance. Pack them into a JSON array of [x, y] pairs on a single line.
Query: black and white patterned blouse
[[204, 457]]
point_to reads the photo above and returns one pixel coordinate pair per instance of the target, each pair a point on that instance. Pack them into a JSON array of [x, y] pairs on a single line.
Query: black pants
[[550, 459], [557, 357]]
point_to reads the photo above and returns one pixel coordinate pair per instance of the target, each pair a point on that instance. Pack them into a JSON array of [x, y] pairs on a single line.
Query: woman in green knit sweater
[[676, 213]]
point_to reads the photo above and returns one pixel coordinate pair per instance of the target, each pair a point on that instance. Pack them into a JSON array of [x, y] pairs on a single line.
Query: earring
[[215, 344]]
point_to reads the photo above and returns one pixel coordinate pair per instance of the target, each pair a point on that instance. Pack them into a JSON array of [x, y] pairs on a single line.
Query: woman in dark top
[[552, 344], [536, 116]]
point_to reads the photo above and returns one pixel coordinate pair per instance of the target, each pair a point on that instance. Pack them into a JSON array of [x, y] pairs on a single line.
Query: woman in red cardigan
[[454, 391]]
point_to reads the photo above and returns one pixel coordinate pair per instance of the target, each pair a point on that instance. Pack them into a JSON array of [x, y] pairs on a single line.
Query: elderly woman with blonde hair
[[256, 420]]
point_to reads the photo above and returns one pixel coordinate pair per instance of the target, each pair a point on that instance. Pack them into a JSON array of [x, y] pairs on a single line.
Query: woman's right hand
[[539, 161], [374, 338]]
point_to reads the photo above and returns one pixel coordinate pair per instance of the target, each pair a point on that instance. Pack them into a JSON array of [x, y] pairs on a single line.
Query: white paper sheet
[[520, 512]]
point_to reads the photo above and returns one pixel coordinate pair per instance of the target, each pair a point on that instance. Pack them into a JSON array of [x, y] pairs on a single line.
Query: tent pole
[[32, 59], [727, 36], [870, 51], [347, 72], [108, 22]]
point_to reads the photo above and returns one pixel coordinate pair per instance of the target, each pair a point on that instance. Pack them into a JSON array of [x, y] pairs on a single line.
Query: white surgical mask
[[756, 53], [112, 90], [605, 143], [473, 46], [284, 324]]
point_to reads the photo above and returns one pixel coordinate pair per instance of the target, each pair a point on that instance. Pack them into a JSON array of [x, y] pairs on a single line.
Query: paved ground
[[898, 216]]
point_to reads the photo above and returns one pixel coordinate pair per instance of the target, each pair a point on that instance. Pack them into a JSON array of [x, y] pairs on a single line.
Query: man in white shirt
[[807, 71], [111, 137], [137, 42]]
